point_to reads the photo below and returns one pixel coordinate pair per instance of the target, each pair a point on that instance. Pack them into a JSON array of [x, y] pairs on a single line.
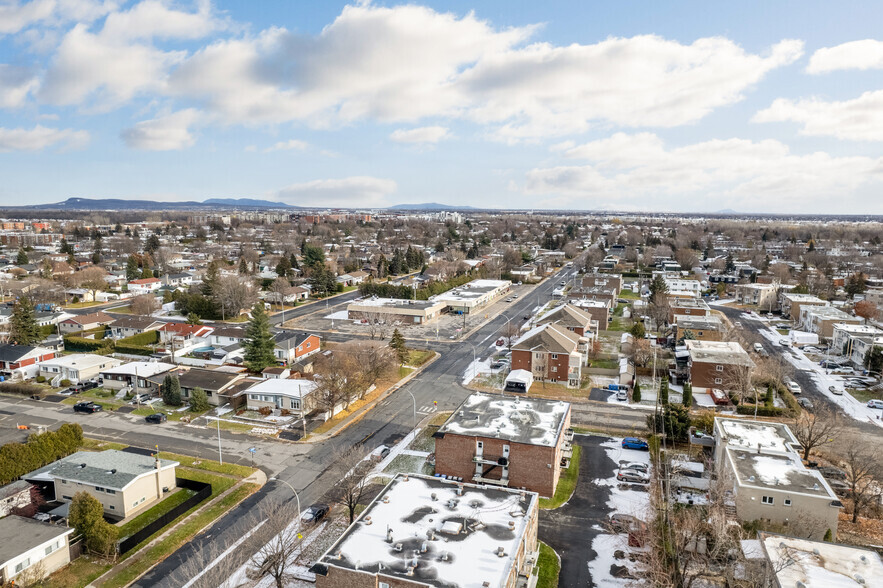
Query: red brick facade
[[553, 367]]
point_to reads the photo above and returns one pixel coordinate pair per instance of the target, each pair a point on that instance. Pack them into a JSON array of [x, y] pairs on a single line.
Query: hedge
[[764, 411], [41, 449], [74, 343], [134, 345], [390, 290], [20, 388], [133, 349], [141, 339]]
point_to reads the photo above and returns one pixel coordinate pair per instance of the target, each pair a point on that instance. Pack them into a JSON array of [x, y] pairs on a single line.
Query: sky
[[689, 106]]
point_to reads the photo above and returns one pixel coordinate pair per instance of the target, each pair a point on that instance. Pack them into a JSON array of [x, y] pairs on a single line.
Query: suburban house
[[124, 483], [573, 319], [294, 346], [127, 326], [221, 387], [716, 364], [25, 543], [791, 303], [703, 328], [682, 288], [181, 280], [134, 375], [795, 561], [289, 295], [506, 441], [182, 335], [85, 322], [14, 495], [281, 394], [398, 540], [145, 285], [76, 367], [552, 353], [15, 360], [223, 336], [393, 309], [821, 320], [770, 482]]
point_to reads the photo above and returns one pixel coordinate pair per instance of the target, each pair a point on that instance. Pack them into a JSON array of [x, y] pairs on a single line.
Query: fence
[[203, 490]]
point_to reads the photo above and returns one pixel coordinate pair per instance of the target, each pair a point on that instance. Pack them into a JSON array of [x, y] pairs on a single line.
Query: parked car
[[805, 403], [784, 342], [156, 418], [88, 407], [140, 399], [623, 523], [844, 370], [315, 513], [380, 453], [835, 390], [622, 396], [632, 476], [829, 364], [500, 342], [634, 443], [873, 403], [83, 386], [794, 387], [737, 324], [758, 347], [634, 465]]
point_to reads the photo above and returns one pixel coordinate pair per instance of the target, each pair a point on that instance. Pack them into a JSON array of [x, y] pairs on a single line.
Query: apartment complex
[[552, 353], [716, 364]]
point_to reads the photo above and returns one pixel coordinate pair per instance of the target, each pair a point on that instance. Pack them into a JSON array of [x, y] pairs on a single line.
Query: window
[[718, 381], [109, 491], [767, 500], [22, 565], [719, 368], [253, 396], [787, 502], [554, 356], [554, 368], [66, 497], [383, 585]]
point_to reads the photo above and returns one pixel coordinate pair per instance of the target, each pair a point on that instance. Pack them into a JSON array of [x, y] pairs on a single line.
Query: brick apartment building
[[703, 328], [573, 319], [599, 310], [552, 353], [506, 441], [610, 281], [687, 307], [716, 364]]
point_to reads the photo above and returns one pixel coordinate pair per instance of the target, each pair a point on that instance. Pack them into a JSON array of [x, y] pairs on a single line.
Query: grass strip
[[566, 483]]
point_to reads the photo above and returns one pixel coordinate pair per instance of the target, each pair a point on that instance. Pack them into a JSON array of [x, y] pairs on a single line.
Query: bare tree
[[281, 539], [279, 288], [642, 352], [234, 293], [91, 278], [371, 361], [862, 466], [144, 304], [353, 471], [814, 429], [338, 379]]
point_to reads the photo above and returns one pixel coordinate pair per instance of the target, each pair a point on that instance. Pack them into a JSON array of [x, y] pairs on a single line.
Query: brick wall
[[521, 360]]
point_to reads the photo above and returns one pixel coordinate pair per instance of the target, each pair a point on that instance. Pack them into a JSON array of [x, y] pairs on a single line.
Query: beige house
[[791, 303], [25, 543], [293, 395], [770, 482], [124, 483]]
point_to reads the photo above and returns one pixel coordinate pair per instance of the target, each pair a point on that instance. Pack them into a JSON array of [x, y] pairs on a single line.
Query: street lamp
[[218, 422], [274, 479], [415, 407]]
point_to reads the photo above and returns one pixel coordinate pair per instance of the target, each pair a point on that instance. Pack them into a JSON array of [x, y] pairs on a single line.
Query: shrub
[[40, 379], [17, 459], [141, 339], [87, 517], [765, 411], [133, 349], [199, 400], [65, 382], [20, 388], [170, 390], [636, 392], [265, 411]]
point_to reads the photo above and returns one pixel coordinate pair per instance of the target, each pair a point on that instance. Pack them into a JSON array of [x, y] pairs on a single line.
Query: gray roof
[[19, 535], [110, 468], [13, 489], [532, 421]]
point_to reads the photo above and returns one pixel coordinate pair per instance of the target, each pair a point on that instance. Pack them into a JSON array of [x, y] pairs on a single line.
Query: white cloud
[[154, 19], [39, 138], [89, 65], [420, 135], [166, 133], [859, 119], [290, 145], [711, 175], [355, 191], [15, 85], [862, 55], [406, 63], [16, 16]]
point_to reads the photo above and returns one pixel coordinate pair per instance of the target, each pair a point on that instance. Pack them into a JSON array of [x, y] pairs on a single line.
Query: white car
[[784, 342], [794, 387], [622, 395], [835, 390], [875, 403]]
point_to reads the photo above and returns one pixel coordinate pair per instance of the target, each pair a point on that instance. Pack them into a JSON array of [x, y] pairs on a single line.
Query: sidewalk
[[361, 412], [258, 477]]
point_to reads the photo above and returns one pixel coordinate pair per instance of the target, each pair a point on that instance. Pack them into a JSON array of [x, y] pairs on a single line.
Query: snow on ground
[[722, 302], [607, 546], [340, 315], [704, 400], [625, 500], [476, 367], [852, 407]]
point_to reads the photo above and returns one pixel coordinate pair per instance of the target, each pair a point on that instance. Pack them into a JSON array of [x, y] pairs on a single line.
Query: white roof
[[532, 421], [81, 361], [287, 387], [144, 369], [821, 565], [749, 434]]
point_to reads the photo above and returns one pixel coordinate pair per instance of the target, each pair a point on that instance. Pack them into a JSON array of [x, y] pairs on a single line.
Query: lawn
[[548, 567], [417, 357], [629, 295], [208, 465], [607, 364], [566, 484], [865, 395], [155, 512], [97, 445], [97, 395], [82, 304], [409, 464], [424, 440], [173, 412]]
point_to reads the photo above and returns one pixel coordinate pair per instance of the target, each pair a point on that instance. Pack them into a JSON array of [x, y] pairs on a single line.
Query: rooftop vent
[[368, 520], [82, 465], [501, 552], [424, 547], [389, 535], [398, 547], [405, 478], [386, 499], [859, 579], [433, 497]]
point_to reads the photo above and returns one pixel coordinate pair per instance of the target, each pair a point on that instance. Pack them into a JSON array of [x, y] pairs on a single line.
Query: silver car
[[632, 476]]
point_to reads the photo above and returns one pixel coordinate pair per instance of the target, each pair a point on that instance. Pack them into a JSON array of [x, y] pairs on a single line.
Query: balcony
[[478, 479]]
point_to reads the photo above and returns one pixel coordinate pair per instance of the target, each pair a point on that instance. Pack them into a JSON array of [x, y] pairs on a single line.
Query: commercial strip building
[[474, 296], [124, 483], [393, 309], [506, 441], [429, 532], [770, 482]]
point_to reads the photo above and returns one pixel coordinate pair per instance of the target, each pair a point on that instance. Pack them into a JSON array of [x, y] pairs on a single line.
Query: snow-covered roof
[[436, 532], [144, 369], [532, 421], [816, 564], [288, 387], [751, 434], [785, 473], [81, 361]]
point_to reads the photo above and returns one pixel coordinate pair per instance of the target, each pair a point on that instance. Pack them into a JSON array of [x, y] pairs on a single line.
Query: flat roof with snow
[[284, 386], [81, 361], [420, 529], [749, 434], [144, 369], [532, 421], [723, 352], [392, 303], [781, 472], [817, 564]]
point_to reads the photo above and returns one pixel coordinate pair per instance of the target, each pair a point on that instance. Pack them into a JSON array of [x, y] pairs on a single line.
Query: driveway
[[569, 530]]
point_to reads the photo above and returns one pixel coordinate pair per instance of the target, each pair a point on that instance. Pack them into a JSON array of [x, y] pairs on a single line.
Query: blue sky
[[684, 106]]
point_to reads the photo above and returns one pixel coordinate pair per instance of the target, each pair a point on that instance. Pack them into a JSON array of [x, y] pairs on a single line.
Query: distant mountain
[[429, 206], [726, 211], [122, 204]]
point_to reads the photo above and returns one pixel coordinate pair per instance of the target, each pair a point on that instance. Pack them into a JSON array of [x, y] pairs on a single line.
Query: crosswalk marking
[[430, 408]]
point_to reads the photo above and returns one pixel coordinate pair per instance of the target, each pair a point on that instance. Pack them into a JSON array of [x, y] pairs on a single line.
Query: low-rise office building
[[770, 482], [415, 312], [424, 532], [506, 441]]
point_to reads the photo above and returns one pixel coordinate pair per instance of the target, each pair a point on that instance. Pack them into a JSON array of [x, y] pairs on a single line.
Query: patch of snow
[[340, 315], [605, 546]]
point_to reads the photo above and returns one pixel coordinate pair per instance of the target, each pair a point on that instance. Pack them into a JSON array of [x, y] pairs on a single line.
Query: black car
[[315, 513], [82, 386], [157, 417], [87, 407]]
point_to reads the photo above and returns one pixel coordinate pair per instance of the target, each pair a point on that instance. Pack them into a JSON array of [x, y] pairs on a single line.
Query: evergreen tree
[[132, 271], [146, 273], [636, 392], [209, 279], [199, 400], [397, 342], [22, 257], [171, 391], [96, 257], [313, 255], [283, 268], [731, 264], [23, 328], [66, 247], [86, 515], [152, 244], [243, 267], [259, 343], [658, 287], [663, 391], [688, 395], [637, 330], [292, 259]]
